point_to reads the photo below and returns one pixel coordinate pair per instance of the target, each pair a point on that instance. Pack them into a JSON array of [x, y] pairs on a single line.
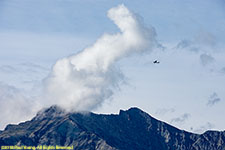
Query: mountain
[[129, 130]]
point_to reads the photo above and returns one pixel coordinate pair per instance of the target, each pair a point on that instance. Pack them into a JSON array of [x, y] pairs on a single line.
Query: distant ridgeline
[[130, 130]]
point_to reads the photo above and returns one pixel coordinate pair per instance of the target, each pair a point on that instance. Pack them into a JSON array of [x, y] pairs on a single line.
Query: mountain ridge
[[131, 129]]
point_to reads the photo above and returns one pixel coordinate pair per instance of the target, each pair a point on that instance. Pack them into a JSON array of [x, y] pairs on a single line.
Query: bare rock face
[[130, 130]]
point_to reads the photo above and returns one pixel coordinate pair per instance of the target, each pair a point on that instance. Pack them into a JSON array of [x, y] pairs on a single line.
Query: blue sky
[[186, 89]]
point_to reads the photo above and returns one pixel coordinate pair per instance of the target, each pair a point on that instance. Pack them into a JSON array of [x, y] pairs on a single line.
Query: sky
[[186, 89]]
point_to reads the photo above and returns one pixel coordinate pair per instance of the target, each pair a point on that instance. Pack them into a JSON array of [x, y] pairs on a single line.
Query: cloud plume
[[84, 80]]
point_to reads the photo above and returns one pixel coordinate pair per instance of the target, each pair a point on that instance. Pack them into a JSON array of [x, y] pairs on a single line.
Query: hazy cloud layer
[[18, 98], [26, 67], [23, 75], [203, 128], [203, 41], [14, 105], [213, 99], [223, 70], [33, 66], [206, 59], [181, 119], [7, 69], [206, 38], [164, 111], [188, 45]]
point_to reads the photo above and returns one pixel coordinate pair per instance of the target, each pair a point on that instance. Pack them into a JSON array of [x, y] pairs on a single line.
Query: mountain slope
[[130, 130]]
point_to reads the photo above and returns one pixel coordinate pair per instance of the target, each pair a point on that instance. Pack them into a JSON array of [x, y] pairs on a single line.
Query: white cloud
[[83, 81]]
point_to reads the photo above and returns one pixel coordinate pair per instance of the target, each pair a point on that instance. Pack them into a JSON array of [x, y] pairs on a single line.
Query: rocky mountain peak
[[51, 112], [130, 130]]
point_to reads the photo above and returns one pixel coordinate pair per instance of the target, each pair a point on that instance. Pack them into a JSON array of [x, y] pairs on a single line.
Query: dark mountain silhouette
[[129, 130]]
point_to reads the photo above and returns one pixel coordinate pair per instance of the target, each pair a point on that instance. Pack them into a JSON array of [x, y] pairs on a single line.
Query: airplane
[[156, 62]]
